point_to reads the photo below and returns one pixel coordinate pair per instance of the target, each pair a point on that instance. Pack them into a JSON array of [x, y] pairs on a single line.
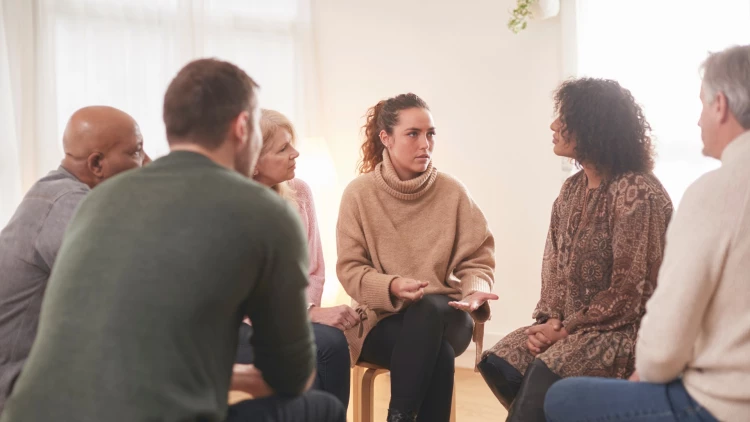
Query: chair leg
[[453, 403], [363, 384], [368, 395], [357, 393]]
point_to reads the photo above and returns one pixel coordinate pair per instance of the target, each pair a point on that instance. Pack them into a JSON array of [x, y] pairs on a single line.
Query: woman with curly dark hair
[[602, 256]]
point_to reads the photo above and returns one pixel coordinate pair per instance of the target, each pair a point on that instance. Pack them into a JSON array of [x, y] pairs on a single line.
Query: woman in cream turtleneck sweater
[[417, 255]]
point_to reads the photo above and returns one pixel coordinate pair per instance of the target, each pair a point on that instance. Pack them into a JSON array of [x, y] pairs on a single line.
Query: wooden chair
[[363, 383]]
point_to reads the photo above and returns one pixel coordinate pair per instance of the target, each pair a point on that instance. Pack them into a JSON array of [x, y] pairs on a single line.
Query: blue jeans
[[333, 369], [603, 399]]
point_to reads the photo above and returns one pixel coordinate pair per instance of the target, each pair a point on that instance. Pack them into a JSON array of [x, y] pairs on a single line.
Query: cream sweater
[[697, 323], [427, 228]]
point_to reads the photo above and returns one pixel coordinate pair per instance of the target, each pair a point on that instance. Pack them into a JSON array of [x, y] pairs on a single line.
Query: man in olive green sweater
[[156, 272]]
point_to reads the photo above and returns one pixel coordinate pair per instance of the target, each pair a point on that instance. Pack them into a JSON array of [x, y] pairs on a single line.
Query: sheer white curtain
[[654, 48], [10, 169], [10, 172], [15, 102], [123, 54]]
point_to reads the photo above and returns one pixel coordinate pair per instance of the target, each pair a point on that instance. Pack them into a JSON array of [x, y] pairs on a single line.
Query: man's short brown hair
[[203, 99]]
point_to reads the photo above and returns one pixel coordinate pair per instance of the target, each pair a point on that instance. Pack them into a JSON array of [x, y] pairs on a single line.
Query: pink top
[[306, 207], [317, 271]]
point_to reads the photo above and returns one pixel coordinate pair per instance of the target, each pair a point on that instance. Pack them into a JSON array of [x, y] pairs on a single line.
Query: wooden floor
[[475, 401]]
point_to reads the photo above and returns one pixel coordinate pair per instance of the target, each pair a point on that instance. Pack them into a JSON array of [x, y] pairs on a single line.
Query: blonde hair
[[270, 123]]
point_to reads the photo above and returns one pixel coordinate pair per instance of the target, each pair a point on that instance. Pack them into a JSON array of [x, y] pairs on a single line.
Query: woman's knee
[[331, 343], [486, 368], [431, 308], [431, 303], [495, 367]]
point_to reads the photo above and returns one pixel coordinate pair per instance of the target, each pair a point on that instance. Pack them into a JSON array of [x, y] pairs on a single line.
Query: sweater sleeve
[[475, 252], [317, 272], [698, 243], [354, 267], [640, 219], [550, 300], [282, 340]]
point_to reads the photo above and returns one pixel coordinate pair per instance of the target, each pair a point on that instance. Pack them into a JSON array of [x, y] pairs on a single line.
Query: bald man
[[99, 142]]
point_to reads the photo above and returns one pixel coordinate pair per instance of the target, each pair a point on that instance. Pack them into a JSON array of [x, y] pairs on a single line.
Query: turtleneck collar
[[387, 179], [737, 150]]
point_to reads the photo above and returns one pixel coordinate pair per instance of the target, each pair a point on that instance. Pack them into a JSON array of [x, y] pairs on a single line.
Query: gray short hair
[[728, 71]]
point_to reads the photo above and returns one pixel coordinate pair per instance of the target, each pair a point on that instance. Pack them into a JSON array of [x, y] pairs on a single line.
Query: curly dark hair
[[609, 127]]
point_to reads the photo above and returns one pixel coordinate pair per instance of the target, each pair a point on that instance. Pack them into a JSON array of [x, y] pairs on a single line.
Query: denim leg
[[595, 399], [334, 374]]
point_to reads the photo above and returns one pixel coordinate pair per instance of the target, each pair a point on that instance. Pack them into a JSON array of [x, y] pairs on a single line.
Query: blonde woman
[[275, 169]]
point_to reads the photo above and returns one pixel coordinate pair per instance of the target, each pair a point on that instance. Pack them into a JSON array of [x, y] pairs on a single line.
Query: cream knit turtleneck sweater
[[427, 228], [697, 323]]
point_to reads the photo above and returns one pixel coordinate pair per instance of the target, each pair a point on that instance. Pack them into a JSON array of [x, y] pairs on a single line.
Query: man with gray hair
[[693, 349]]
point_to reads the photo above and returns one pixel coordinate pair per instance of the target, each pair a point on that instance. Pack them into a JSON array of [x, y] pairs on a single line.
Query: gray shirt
[[28, 247], [157, 270]]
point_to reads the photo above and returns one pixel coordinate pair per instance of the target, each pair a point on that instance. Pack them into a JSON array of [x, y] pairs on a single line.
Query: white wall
[[490, 94]]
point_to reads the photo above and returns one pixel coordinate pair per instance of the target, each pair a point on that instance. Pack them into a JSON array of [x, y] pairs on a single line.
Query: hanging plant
[[520, 15]]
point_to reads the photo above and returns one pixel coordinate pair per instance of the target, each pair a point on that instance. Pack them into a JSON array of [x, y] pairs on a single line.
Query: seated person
[[417, 255], [157, 271], [275, 169], [603, 251], [693, 349], [99, 142]]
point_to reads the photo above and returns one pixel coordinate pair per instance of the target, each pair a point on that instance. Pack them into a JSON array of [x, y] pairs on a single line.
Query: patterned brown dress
[[601, 260]]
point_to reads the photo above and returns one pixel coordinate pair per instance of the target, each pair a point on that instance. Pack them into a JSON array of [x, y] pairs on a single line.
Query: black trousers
[[419, 346], [313, 406], [503, 379], [333, 368]]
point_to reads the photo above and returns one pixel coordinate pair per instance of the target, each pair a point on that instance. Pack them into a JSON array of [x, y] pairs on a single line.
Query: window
[[124, 54], [655, 49]]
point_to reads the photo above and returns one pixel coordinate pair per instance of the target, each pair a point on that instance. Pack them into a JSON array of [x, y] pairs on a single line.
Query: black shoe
[[399, 416], [529, 403], [502, 378]]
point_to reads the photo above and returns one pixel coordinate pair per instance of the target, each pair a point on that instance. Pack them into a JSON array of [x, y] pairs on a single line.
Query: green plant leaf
[[520, 15]]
